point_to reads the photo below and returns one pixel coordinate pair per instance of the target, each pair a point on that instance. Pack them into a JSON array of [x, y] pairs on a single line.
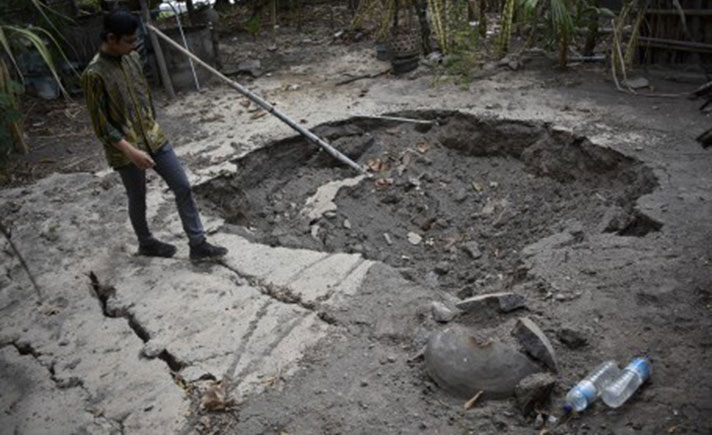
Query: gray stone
[[441, 313], [152, 349], [571, 338], [463, 365], [347, 224], [636, 82], [533, 390], [504, 301], [472, 248], [535, 342], [414, 238], [442, 268]]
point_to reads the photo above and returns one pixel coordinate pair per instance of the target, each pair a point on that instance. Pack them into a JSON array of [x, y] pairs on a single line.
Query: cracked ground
[[322, 341]]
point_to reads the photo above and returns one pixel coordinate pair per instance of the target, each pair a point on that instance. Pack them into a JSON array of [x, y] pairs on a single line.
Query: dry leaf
[[383, 183], [215, 398], [477, 186], [377, 165], [422, 146], [258, 115]]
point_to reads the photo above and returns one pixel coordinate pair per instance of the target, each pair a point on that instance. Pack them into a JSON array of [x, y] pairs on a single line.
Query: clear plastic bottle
[[632, 377], [589, 388]]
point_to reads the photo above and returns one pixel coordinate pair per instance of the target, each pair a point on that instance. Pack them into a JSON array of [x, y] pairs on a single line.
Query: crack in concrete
[[106, 295], [25, 349], [283, 294]]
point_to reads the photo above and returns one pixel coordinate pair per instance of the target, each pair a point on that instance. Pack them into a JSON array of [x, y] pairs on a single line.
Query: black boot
[[156, 248], [206, 251]]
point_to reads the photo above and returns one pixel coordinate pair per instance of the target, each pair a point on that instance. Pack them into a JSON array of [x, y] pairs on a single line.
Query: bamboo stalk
[[264, 104]]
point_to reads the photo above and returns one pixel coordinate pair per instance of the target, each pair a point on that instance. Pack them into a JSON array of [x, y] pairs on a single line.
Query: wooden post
[[160, 60]]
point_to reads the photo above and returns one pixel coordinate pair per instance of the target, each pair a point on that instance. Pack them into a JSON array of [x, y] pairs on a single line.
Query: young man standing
[[124, 119]]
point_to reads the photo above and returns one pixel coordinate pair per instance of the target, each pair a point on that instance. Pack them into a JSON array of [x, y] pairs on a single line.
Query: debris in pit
[[463, 364], [414, 238], [534, 391], [505, 302], [535, 342], [472, 402], [441, 313], [571, 338], [214, 397]]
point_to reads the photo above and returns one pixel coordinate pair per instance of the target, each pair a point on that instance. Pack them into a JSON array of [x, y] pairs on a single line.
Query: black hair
[[120, 22]]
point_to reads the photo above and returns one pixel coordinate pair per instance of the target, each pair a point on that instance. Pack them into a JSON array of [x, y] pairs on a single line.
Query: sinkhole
[[451, 203]]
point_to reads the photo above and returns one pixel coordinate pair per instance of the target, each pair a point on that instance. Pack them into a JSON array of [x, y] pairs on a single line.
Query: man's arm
[[95, 96]]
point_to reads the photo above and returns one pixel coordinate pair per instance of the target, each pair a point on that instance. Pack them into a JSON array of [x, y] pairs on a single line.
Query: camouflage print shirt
[[120, 105]]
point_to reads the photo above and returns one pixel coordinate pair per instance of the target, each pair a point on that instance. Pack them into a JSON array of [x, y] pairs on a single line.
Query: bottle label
[[642, 367], [587, 390]]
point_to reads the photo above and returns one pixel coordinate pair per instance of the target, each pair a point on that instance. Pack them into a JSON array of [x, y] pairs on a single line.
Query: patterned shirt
[[120, 105]]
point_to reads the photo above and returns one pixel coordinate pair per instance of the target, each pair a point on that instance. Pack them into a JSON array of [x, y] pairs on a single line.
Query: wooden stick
[[19, 256], [365, 76], [471, 403], [265, 105]]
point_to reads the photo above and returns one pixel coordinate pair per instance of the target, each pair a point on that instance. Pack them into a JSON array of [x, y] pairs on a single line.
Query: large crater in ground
[[450, 204]]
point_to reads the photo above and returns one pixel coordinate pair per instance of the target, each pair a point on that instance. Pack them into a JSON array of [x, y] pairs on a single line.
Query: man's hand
[[141, 159]]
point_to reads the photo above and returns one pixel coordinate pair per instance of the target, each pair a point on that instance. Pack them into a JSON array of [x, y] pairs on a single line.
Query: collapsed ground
[[618, 262]]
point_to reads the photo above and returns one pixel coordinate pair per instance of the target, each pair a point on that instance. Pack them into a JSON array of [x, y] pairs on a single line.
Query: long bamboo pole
[[264, 104]]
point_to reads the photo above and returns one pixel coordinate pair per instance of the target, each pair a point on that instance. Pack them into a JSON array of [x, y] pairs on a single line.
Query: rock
[[153, 349], [442, 268], [535, 342], [251, 66], [504, 301], [314, 230], [571, 338], [460, 195], [347, 224], [441, 313], [533, 390], [538, 422], [414, 238], [514, 65], [431, 278], [329, 214], [388, 239], [614, 219], [636, 83], [464, 365], [472, 248]]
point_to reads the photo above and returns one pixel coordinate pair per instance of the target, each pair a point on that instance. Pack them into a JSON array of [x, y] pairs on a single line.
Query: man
[[124, 119]]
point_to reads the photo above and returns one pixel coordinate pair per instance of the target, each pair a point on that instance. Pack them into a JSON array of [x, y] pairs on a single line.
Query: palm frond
[[5, 42], [39, 45]]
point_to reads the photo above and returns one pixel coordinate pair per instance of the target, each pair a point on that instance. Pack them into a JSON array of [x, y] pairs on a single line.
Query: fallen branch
[[19, 256], [364, 76]]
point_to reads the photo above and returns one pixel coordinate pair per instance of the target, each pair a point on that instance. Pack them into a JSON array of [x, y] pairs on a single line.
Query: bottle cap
[[567, 409]]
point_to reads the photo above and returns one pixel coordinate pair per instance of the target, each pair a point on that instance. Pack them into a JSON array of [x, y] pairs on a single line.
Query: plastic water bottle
[[589, 388], [632, 377]]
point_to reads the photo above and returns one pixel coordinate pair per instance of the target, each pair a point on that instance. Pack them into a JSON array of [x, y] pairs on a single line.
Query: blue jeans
[[170, 169]]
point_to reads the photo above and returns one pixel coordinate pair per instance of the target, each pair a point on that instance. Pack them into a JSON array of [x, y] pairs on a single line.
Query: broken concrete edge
[[535, 342], [505, 302], [534, 391]]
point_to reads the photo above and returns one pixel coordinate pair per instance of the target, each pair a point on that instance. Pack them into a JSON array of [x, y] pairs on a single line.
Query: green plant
[[15, 38], [558, 15]]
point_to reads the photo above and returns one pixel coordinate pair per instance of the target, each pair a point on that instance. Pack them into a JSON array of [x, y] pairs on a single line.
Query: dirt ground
[[594, 204]]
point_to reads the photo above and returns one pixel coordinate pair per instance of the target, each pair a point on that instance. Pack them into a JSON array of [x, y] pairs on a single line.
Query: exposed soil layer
[[451, 204]]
